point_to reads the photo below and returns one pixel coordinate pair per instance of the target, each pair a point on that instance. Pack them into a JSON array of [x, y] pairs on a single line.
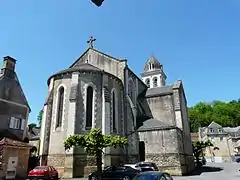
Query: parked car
[[153, 175], [146, 166], [116, 173], [43, 172]]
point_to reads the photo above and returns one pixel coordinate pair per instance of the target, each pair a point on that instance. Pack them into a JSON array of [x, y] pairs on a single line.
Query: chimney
[[8, 68]]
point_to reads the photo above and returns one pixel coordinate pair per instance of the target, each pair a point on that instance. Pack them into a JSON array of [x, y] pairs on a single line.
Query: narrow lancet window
[[60, 107], [89, 107], [114, 112]]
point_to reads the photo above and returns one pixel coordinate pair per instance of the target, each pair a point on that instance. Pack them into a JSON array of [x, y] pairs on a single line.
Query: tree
[[39, 118], [32, 125], [223, 113], [94, 142], [198, 147]]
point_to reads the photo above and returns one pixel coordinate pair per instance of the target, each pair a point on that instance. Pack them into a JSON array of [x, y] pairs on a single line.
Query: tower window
[[60, 107], [155, 82], [89, 108], [147, 82], [153, 66]]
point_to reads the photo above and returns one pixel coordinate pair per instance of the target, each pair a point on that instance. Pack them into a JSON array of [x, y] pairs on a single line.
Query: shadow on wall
[[80, 168], [205, 169]]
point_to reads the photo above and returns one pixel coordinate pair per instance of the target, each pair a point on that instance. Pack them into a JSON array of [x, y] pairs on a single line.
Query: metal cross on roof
[[90, 41]]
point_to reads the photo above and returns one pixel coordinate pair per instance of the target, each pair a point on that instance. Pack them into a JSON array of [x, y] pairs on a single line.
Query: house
[[34, 137], [226, 141], [14, 111], [14, 108]]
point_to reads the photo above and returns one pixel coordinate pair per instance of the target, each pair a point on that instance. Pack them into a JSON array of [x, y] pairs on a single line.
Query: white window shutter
[[23, 124], [11, 124]]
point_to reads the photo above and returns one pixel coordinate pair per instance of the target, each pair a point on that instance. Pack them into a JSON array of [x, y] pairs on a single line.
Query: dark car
[[153, 175], [147, 166], [43, 172], [116, 173]]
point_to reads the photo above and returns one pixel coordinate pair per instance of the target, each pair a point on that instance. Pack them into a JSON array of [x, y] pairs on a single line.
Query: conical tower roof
[[153, 63]]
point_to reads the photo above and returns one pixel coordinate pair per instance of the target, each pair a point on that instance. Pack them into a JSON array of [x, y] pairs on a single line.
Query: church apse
[[103, 92]]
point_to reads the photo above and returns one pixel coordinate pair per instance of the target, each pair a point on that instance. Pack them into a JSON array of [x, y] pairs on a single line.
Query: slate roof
[[152, 60], [15, 92], [152, 124], [168, 89], [82, 67], [8, 134], [34, 133], [232, 129], [214, 125]]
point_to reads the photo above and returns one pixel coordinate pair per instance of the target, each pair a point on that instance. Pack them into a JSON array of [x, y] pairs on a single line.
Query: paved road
[[217, 171]]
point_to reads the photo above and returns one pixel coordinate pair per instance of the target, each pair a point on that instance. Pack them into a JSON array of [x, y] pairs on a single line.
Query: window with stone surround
[[147, 82], [60, 107], [89, 108], [155, 82]]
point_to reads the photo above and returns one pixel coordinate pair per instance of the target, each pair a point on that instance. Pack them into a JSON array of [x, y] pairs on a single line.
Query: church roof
[[168, 89], [152, 60], [153, 124], [82, 67]]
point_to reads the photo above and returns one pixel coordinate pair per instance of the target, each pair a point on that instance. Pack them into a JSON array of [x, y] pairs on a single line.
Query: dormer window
[[211, 130]]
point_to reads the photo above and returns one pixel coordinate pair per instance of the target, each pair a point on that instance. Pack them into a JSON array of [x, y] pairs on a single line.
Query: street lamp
[[98, 2]]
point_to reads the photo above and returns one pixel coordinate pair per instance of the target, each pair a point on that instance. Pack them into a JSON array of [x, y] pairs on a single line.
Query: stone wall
[[58, 134], [162, 109], [22, 152]]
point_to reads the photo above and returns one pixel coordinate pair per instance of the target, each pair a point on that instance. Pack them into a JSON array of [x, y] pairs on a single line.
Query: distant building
[[34, 136], [14, 108], [226, 142]]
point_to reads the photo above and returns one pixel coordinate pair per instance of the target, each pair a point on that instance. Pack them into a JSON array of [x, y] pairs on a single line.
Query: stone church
[[100, 91]]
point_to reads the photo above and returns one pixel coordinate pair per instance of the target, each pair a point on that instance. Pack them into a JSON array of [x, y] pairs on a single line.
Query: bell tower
[[153, 75]]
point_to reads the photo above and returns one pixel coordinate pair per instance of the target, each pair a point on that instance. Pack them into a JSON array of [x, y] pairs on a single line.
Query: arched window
[[155, 82], [147, 82], [60, 107], [114, 109], [89, 107], [153, 66]]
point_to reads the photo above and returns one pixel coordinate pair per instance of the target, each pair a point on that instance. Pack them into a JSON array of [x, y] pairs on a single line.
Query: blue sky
[[196, 41]]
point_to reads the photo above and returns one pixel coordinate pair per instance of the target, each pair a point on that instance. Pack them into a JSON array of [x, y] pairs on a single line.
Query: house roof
[[9, 134], [214, 125], [34, 133]]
